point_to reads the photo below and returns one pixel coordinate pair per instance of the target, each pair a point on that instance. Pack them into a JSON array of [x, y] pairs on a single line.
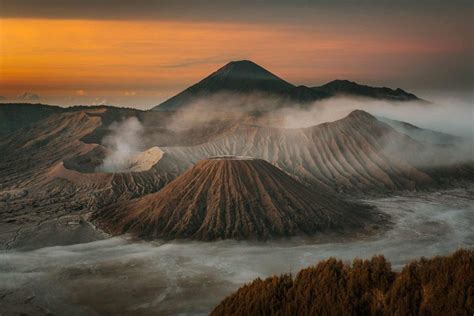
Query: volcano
[[357, 153], [242, 77], [238, 198]]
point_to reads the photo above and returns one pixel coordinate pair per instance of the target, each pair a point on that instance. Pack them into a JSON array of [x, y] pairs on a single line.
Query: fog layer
[[121, 276]]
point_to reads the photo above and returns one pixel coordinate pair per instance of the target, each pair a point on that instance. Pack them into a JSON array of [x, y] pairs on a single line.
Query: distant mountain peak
[[241, 77], [244, 63], [361, 114], [351, 88], [246, 70], [340, 81], [247, 77]]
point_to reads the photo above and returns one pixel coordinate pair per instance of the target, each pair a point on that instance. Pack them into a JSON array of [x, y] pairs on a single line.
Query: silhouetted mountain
[[242, 77], [245, 77], [350, 88]]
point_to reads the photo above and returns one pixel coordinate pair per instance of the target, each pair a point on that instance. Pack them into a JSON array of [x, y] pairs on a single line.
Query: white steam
[[124, 142]]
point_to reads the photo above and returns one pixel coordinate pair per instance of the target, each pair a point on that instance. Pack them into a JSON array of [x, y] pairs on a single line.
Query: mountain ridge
[[245, 76], [351, 88]]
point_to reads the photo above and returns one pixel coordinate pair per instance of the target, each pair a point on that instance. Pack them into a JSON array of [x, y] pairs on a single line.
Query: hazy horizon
[[140, 54]]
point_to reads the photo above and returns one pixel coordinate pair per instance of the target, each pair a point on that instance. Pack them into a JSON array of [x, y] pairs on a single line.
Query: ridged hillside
[[355, 153], [232, 197]]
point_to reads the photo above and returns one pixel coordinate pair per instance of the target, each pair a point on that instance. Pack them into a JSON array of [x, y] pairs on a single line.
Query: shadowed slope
[[237, 198]]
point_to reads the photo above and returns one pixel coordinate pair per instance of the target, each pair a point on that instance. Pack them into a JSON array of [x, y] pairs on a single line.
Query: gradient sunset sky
[[138, 53]]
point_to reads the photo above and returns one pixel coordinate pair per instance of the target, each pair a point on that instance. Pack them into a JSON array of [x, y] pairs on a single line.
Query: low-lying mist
[[119, 275], [448, 115], [208, 116]]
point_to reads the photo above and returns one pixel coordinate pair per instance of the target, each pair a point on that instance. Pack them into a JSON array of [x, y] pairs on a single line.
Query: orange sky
[[143, 62]]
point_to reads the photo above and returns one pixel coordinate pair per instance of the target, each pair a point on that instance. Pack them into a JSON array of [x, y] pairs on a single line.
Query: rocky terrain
[[36, 186], [53, 167], [61, 165], [240, 198], [356, 154]]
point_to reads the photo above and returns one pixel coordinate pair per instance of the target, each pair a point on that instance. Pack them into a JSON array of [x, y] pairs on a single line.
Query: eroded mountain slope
[[235, 197], [36, 187], [356, 153]]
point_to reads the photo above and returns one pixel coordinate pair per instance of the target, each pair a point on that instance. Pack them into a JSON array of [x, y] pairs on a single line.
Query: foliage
[[438, 286]]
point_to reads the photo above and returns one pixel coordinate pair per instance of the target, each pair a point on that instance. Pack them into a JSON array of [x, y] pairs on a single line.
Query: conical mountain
[[241, 77], [232, 197]]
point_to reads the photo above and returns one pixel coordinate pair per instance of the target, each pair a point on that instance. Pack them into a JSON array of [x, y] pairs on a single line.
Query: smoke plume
[[123, 141]]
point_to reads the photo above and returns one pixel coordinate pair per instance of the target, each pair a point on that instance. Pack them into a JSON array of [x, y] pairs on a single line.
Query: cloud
[[436, 149], [28, 96], [129, 93], [452, 116], [81, 92], [99, 101]]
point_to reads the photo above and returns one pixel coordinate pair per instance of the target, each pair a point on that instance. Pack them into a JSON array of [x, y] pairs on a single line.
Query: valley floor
[[122, 276]]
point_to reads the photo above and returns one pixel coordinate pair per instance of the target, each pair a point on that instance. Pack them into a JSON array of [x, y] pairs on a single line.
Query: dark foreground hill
[[438, 286], [235, 197]]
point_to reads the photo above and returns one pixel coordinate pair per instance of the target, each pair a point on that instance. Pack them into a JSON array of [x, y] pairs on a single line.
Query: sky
[[139, 53]]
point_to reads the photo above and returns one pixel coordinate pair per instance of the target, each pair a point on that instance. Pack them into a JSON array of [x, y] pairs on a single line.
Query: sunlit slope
[[356, 153], [239, 198]]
